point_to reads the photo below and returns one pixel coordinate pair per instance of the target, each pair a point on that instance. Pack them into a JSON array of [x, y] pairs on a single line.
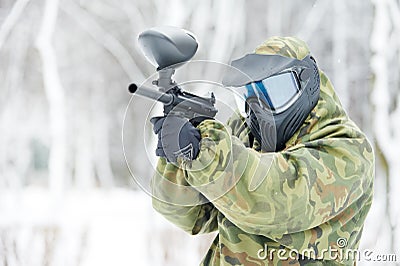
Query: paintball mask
[[276, 93]]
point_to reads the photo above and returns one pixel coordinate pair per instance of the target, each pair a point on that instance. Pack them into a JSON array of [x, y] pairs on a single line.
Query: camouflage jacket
[[304, 205]]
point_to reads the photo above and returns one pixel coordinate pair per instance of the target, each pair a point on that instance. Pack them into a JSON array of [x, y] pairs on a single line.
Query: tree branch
[[313, 19], [11, 20], [105, 39]]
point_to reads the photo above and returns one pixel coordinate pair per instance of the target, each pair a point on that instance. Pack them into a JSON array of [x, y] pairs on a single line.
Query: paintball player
[[295, 195]]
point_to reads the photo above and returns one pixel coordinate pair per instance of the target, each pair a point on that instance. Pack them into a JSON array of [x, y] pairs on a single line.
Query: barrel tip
[[132, 88]]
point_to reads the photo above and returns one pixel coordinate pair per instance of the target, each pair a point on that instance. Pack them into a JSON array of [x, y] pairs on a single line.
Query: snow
[[65, 66], [92, 227]]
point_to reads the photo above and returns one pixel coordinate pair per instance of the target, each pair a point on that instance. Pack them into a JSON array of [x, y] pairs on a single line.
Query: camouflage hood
[[308, 199], [328, 106]]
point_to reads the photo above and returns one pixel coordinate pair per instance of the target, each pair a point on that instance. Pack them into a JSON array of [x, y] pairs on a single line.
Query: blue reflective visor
[[275, 93]]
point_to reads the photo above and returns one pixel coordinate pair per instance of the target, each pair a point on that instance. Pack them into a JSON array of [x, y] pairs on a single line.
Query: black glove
[[177, 137]]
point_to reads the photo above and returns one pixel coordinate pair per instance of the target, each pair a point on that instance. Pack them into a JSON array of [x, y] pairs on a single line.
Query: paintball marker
[[168, 48]]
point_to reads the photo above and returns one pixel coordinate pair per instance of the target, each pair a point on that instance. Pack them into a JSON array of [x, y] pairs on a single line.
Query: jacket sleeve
[[179, 203], [285, 192]]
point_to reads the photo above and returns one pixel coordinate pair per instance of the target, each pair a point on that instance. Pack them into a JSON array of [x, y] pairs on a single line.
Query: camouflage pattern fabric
[[307, 197]]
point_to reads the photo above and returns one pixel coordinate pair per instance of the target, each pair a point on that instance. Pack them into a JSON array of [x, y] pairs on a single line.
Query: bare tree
[[340, 50], [11, 20], [386, 98], [55, 96]]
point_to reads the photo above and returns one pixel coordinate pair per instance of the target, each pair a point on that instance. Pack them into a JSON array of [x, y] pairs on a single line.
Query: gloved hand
[[177, 137]]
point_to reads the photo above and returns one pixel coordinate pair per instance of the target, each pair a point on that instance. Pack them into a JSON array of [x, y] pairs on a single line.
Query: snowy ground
[[115, 227]]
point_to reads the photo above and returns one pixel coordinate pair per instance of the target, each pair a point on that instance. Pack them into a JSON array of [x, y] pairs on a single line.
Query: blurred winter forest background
[[66, 195]]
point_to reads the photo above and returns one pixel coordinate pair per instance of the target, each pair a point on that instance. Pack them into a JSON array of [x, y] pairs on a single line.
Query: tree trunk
[[385, 122], [55, 96], [340, 64]]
